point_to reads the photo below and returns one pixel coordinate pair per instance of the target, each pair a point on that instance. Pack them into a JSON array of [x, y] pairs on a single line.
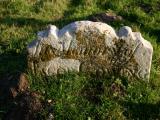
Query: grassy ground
[[79, 96]]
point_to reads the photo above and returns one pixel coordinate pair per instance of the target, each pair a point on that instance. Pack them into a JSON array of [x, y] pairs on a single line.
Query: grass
[[80, 96]]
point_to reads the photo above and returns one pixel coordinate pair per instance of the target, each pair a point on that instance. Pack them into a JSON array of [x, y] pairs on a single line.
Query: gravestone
[[91, 47]]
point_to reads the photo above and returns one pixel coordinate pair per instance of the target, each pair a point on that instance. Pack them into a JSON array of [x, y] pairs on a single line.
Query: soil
[[26, 106], [22, 103], [105, 17]]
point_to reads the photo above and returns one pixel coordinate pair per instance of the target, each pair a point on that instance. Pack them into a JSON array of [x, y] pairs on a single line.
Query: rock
[[13, 92], [91, 47], [21, 85], [51, 117], [13, 83], [105, 17]]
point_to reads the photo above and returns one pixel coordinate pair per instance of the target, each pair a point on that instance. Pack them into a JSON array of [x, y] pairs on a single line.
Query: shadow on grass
[[153, 32], [93, 89], [142, 111], [10, 66], [37, 24], [76, 3]]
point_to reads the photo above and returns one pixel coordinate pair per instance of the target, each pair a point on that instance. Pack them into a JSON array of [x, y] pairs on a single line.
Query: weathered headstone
[[91, 47]]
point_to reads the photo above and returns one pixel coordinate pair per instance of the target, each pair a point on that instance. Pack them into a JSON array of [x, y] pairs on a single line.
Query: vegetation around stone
[[79, 96]]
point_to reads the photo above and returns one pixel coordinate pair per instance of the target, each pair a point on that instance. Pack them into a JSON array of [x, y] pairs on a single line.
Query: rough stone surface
[[92, 47], [21, 85]]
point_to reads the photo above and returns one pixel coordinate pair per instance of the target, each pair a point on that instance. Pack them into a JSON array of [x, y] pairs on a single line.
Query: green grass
[[80, 96]]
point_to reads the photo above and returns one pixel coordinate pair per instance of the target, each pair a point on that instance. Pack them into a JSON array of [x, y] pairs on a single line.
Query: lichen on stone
[[91, 47]]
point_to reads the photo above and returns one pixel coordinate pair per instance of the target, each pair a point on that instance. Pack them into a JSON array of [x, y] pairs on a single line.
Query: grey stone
[[92, 47]]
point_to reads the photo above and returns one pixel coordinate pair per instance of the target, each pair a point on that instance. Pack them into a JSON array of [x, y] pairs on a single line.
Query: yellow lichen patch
[[70, 54], [47, 53], [93, 41], [93, 56]]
